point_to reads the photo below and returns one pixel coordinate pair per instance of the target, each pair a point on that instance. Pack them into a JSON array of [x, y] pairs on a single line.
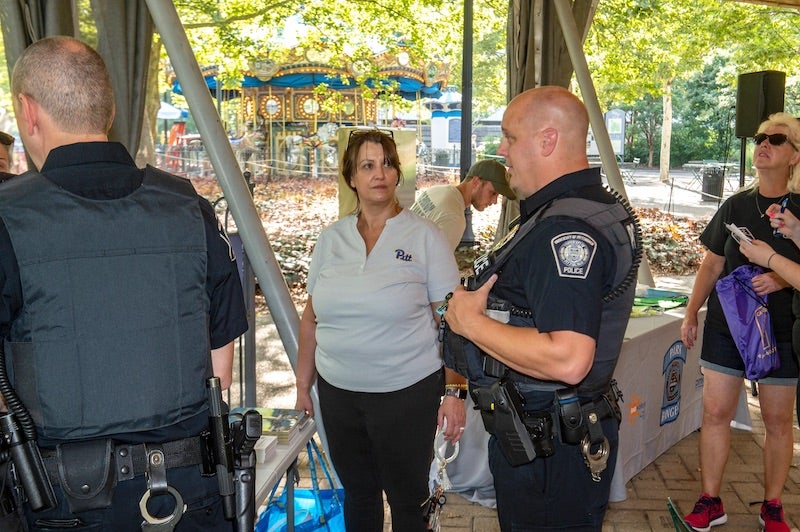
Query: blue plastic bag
[[749, 321], [310, 514], [314, 509]]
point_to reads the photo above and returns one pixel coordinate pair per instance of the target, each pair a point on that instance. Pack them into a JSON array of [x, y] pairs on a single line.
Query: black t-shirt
[[746, 209], [105, 170]]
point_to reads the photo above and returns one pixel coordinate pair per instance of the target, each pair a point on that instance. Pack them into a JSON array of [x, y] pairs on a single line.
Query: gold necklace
[[764, 212]]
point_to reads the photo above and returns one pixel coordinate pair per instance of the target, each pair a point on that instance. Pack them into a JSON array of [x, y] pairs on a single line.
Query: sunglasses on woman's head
[[369, 132], [776, 139]]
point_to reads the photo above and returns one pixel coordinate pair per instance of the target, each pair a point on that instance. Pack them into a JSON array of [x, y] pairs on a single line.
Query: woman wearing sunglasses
[[369, 337], [776, 159]]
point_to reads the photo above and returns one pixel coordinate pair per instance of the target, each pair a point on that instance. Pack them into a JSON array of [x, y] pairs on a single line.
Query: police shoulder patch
[[573, 253]]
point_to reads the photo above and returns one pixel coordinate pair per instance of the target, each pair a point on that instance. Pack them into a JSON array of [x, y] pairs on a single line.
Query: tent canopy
[[167, 111]]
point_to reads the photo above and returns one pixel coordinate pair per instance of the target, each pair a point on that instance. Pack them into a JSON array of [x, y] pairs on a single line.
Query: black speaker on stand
[[758, 95]]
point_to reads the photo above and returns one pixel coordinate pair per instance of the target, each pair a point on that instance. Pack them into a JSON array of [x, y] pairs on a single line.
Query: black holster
[[522, 435]]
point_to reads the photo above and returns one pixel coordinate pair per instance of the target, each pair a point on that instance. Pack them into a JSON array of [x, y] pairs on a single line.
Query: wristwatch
[[455, 392]]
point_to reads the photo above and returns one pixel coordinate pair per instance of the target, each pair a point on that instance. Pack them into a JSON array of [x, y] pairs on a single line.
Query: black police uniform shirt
[[563, 287], [746, 209], [105, 170]]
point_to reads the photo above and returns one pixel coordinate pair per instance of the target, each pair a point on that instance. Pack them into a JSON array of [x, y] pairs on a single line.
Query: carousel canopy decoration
[[310, 68]]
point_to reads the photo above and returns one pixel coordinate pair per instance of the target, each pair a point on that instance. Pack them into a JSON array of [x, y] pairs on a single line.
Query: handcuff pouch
[[570, 415], [86, 474]]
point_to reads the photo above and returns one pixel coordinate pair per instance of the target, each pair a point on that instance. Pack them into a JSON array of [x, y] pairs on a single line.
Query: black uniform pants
[[553, 493]]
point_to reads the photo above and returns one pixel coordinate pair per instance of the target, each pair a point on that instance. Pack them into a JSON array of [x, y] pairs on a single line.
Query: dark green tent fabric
[[124, 39], [124, 34]]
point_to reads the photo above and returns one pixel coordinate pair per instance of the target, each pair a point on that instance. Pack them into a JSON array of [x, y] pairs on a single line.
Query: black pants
[[382, 442], [200, 494]]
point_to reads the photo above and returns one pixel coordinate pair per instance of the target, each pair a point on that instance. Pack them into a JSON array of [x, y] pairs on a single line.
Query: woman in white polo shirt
[[369, 338]]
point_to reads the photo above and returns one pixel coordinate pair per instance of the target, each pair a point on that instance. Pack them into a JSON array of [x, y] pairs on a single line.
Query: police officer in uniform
[[566, 288], [120, 296]]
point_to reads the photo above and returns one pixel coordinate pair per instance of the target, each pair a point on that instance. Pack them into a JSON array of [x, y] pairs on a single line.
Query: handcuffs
[[432, 506], [156, 474]]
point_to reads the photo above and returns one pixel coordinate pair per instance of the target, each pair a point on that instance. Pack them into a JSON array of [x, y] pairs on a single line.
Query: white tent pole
[[233, 185], [575, 49]]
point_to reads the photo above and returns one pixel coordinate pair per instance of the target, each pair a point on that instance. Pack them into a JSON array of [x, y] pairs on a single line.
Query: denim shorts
[[721, 354]]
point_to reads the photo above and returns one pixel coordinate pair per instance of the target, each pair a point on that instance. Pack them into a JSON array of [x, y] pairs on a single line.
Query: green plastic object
[[677, 520]]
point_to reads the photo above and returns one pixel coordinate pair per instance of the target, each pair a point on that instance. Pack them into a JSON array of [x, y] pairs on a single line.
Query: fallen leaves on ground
[[294, 211]]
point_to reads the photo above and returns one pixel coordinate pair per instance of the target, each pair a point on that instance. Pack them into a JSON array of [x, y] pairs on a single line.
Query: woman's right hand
[[304, 402], [757, 251], [689, 330], [305, 369]]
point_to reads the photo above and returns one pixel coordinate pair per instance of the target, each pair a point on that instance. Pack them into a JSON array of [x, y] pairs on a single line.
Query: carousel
[[288, 113]]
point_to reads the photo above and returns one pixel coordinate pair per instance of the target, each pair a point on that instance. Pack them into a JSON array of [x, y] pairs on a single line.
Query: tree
[[645, 47], [489, 56], [644, 129], [704, 113], [639, 47], [233, 33]]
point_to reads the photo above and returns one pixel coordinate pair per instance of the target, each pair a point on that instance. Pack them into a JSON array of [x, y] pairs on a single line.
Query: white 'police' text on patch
[[574, 253]]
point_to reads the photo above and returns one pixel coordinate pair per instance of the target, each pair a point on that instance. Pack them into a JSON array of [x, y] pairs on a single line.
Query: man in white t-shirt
[[444, 205]]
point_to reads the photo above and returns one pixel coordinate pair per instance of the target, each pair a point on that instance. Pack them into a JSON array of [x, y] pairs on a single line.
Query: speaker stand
[[742, 158]]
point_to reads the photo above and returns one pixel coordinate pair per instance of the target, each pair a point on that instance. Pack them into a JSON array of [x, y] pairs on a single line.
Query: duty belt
[[130, 460], [601, 405], [579, 422]]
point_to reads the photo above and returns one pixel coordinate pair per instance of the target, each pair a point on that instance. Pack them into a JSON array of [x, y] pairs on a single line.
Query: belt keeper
[[593, 425], [156, 472], [124, 462]]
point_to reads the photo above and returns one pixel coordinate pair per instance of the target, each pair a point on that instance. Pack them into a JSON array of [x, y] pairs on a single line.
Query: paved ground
[[681, 196], [675, 473]]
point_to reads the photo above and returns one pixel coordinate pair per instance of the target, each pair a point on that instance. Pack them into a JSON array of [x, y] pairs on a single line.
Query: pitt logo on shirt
[[400, 254]]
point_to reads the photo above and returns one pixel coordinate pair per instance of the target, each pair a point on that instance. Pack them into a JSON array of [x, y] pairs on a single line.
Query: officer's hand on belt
[[466, 309]]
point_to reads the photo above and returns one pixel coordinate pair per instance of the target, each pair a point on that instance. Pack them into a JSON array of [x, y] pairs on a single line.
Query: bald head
[[69, 81], [544, 137], [554, 107]]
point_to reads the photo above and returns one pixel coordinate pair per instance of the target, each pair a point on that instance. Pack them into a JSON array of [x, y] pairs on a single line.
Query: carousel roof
[[305, 69]]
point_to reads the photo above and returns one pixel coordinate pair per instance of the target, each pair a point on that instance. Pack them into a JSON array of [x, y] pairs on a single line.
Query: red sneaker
[[707, 512], [771, 517]]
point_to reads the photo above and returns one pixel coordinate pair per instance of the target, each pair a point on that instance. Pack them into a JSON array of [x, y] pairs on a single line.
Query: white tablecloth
[[663, 393]]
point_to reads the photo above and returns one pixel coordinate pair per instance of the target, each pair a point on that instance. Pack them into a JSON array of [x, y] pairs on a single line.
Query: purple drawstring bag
[[749, 321]]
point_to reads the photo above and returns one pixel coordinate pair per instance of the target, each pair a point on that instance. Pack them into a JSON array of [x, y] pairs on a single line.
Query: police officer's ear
[[549, 140]]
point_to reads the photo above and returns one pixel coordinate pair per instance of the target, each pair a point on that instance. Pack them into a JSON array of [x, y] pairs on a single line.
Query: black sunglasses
[[776, 139]]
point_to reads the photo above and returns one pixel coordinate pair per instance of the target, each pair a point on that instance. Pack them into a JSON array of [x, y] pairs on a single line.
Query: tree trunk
[[666, 132], [149, 138]]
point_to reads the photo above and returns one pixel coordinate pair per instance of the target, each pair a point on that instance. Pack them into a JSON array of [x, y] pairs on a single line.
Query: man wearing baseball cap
[[445, 204], [6, 155]]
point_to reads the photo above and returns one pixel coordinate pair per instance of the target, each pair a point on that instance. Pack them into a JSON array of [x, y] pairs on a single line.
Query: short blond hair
[[793, 125], [69, 80]]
